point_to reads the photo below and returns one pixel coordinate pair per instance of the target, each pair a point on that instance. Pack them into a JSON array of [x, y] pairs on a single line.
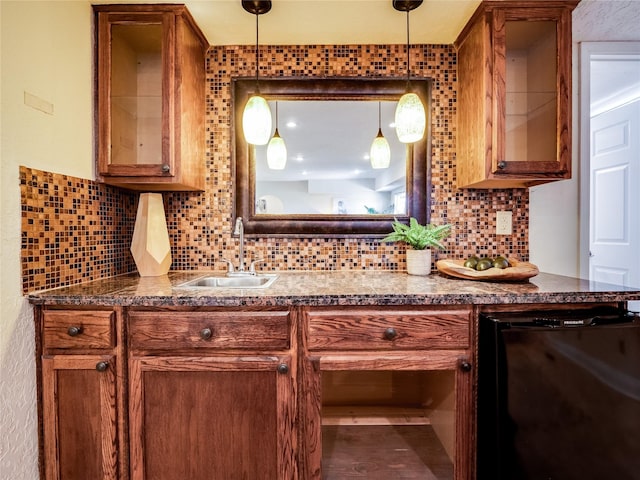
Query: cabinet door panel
[[204, 418], [79, 406]]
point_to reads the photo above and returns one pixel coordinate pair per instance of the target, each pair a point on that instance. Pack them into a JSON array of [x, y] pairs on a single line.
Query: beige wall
[[49, 56], [46, 51], [554, 209]]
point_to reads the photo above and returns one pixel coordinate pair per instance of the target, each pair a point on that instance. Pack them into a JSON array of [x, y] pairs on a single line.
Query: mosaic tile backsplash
[[73, 230], [95, 229]]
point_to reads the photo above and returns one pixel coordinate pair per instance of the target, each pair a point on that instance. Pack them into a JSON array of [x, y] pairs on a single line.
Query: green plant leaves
[[418, 236]]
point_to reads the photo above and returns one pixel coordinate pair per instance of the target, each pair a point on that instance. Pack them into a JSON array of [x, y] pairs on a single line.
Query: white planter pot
[[419, 262]]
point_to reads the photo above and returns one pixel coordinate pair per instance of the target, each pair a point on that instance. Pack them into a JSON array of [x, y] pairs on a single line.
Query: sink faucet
[[240, 271], [239, 230]]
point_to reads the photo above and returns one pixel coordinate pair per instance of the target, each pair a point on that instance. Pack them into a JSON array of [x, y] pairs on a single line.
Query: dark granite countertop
[[333, 288]]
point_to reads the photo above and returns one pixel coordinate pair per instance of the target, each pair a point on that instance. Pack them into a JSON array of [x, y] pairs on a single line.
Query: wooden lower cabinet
[[80, 400], [212, 394], [388, 393], [202, 418], [299, 393]]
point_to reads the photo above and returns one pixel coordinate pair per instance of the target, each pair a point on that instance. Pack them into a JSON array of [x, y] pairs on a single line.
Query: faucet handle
[[252, 266], [229, 263]]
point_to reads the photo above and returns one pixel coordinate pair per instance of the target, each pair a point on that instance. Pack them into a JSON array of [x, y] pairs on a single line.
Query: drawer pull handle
[[74, 331], [102, 366], [283, 368], [465, 366], [390, 333], [206, 334]]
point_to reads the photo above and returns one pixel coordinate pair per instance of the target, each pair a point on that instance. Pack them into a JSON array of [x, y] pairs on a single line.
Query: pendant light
[[410, 118], [276, 150], [380, 154], [256, 118]]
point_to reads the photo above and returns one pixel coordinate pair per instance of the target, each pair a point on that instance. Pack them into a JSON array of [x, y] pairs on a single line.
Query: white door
[[615, 196]]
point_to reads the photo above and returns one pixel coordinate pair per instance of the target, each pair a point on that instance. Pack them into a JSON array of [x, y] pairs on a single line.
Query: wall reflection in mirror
[[328, 170]]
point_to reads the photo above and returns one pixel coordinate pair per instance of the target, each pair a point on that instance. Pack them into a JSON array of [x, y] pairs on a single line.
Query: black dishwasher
[[559, 395]]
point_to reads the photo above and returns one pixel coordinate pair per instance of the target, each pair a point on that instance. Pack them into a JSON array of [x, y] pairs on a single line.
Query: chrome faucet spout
[[239, 230]]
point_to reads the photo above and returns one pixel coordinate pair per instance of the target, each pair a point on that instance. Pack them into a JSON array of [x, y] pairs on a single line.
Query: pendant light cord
[[408, 54], [257, 55]]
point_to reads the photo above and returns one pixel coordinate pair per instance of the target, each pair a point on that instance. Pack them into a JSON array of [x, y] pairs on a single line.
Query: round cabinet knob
[[465, 366], [283, 368], [74, 331], [390, 333], [502, 165], [206, 334], [165, 168], [102, 366]]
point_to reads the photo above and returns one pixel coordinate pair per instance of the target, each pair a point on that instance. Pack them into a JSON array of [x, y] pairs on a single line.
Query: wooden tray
[[519, 271]]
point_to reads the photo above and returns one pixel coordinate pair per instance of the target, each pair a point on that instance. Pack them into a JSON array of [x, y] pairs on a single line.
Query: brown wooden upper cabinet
[[514, 94], [151, 98]]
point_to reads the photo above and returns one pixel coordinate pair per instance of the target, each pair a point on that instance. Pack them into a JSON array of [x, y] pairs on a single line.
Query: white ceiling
[[313, 22]]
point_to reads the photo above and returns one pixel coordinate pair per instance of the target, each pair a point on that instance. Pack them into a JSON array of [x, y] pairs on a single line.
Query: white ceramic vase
[[419, 261]]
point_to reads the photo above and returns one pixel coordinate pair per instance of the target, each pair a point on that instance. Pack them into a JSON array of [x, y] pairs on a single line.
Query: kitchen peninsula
[[320, 374]]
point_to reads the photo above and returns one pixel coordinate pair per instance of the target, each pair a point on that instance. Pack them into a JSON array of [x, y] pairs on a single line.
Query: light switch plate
[[504, 223]]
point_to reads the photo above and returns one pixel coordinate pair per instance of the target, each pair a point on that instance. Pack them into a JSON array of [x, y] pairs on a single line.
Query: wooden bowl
[[517, 272]]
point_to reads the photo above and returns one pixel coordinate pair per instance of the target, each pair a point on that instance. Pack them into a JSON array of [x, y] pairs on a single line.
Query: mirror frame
[[328, 226]]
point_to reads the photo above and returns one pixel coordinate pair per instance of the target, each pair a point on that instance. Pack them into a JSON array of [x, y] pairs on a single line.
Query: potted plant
[[420, 239]]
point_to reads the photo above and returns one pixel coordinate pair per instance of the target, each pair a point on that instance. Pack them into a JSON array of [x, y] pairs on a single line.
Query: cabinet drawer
[[209, 330], [369, 329], [78, 329]]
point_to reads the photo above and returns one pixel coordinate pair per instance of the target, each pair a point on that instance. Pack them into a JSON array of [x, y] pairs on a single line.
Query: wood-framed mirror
[[270, 202]]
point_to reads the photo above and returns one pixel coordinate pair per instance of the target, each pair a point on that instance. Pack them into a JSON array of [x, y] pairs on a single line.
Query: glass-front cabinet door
[[530, 91], [136, 94], [531, 76], [134, 78]]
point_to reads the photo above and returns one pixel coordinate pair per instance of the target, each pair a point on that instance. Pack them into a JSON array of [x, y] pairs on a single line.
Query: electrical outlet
[[504, 223]]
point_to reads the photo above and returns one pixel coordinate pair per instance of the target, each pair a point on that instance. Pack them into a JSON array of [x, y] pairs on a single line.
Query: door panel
[[81, 397], [202, 418], [615, 196]]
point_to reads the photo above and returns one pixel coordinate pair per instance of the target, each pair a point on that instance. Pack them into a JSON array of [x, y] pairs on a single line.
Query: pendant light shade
[[276, 150], [380, 153], [256, 121], [411, 119], [256, 118]]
